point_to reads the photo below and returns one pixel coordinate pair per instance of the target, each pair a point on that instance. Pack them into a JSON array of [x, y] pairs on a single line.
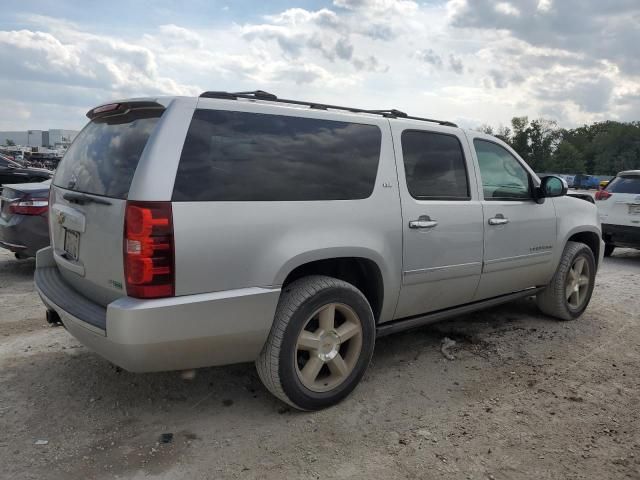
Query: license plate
[[634, 209], [72, 243]]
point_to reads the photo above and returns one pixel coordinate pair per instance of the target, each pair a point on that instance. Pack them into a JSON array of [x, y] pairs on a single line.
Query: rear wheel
[[569, 292], [320, 343], [608, 249]]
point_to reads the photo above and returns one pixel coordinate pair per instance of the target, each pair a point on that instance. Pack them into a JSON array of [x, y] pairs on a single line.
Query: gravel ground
[[525, 397]]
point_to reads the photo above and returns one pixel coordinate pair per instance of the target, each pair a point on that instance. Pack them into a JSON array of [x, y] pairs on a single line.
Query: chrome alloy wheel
[[328, 347], [577, 284]]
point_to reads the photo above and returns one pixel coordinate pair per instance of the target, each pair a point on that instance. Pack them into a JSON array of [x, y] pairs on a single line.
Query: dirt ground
[[525, 397]]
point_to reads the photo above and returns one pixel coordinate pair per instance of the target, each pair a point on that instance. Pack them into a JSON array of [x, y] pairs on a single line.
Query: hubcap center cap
[[329, 346]]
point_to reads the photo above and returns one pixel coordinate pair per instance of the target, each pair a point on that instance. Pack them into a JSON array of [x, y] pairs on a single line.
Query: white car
[[619, 210]]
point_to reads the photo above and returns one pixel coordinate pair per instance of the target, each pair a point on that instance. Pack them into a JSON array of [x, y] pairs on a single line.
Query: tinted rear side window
[[434, 165], [630, 184], [239, 156], [104, 156]]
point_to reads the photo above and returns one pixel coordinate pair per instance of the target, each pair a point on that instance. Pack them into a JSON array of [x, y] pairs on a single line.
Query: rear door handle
[[423, 221], [498, 220]]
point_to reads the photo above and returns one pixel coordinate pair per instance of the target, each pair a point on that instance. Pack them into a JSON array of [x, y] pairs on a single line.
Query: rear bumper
[[621, 235], [176, 333], [24, 234]]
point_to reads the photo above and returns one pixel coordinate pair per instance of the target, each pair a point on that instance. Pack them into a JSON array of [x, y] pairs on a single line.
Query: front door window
[[503, 177]]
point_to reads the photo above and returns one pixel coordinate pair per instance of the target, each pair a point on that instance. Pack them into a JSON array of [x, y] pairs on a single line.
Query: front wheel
[[569, 292], [320, 343]]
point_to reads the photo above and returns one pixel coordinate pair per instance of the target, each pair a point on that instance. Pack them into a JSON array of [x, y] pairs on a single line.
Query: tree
[[543, 137], [566, 159], [602, 148], [9, 143], [504, 134], [485, 128], [520, 138], [616, 147]]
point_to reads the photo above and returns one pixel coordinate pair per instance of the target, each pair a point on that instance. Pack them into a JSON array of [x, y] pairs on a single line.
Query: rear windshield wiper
[[82, 198]]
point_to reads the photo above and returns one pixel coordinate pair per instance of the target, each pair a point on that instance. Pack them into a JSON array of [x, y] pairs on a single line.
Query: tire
[[553, 300], [281, 364], [608, 249]]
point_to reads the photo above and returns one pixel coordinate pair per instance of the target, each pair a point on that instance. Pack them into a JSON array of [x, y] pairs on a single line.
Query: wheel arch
[[591, 239], [361, 271]]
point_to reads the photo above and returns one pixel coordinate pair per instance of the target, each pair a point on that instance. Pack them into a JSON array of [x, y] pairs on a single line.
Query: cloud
[[574, 58], [499, 78], [477, 61], [291, 44], [297, 31], [430, 57], [369, 63], [545, 5], [303, 73], [599, 30], [344, 49], [456, 64], [183, 36], [592, 95], [505, 8], [629, 106], [299, 16]]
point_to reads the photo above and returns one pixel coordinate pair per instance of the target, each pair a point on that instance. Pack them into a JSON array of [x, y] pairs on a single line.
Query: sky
[[473, 62]]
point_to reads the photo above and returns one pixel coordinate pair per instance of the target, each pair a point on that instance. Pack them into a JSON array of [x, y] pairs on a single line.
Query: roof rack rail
[[262, 95]]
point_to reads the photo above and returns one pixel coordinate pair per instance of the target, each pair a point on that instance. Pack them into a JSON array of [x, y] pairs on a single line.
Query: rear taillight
[[29, 206], [602, 195], [148, 250]]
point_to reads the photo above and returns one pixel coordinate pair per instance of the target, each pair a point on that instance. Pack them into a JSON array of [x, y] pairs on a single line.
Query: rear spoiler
[[121, 108]]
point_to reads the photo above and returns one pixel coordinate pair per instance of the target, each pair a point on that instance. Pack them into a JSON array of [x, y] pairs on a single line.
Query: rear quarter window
[[240, 156], [105, 154]]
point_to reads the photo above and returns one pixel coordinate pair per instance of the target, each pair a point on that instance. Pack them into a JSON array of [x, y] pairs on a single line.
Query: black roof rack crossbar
[[262, 95]]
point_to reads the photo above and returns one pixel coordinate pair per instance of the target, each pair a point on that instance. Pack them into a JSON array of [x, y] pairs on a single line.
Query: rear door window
[[628, 184], [434, 166], [104, 156], [240, 156]]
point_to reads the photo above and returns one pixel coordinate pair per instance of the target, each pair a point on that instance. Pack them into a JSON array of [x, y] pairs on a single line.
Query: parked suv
[[189, 232], [619, 207]]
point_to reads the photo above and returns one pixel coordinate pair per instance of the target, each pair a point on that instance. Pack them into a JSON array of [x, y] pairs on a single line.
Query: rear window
[[239, 156], [104, 156], [630, 184]]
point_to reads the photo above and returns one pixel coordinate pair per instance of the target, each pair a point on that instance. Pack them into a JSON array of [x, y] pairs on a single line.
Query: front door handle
[[498, 220], [423, 221]]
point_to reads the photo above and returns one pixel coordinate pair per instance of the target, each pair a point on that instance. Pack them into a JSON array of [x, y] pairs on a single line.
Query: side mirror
[[553, 186]]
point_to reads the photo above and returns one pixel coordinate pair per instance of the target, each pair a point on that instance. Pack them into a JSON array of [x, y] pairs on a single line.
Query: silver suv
[[190, 232]]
